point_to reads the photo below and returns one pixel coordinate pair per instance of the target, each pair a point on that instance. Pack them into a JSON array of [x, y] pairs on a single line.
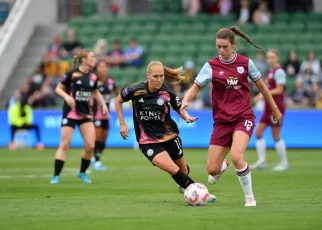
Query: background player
[[76, 87], [107, 87], [275, 80], [234, 118], [156, 132]]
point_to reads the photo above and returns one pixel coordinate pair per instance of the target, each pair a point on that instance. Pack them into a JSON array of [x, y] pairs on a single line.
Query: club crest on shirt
[[91, 83], [240, 69], [160, 101]]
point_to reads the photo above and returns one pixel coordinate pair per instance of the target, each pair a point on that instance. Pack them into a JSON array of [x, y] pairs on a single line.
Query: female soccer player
[[275, 80], [234, 118], [76, 87], [107, 87], [156, 133]]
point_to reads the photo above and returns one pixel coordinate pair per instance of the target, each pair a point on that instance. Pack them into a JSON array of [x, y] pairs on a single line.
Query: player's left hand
[[105, 111], [191, 119], [278, 116]]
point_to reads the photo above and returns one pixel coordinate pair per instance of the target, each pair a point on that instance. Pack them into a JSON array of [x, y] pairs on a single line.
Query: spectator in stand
[[100, 49], [225, 7], [244, 13], [315, 94], [133, 54], [260, 63], [192, 6], [308, 78], [54, 48], [299, 96], [292, 65], [13, 99], [312, 63], [189, 74], [115, 56], [71, 46], [261, 15], [318, 103]]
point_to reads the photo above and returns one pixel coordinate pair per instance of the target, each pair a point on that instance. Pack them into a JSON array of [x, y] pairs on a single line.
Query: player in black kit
[[156, 133], [107, 87], [76, 87]]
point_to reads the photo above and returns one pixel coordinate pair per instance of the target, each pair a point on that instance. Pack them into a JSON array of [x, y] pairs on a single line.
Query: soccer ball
[[196, 194]]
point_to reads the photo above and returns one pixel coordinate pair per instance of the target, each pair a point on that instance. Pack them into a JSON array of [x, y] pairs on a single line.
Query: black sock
[[84, 165], [188, 169], [102, 147], [182, 179], [59, 164], [97, 151]]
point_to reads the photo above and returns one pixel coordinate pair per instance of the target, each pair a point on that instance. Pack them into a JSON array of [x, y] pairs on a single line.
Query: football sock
[[59, 164], [245, 179], [261, 149], [281, 150], [182, 179], [97, 151], [84, 165]]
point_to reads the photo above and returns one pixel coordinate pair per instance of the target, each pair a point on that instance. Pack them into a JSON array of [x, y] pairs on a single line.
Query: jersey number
[[177, 141], [248, 124]]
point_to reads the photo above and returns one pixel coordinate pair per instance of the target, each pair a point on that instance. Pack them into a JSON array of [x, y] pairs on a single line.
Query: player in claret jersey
[[275, 80], [77, 87], [107, 87], [232, 112], [156, 132]]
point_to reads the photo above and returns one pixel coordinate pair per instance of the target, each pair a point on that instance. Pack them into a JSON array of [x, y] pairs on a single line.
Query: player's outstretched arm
[[191, 94], [269, 99], [185, 116], [119, 110]]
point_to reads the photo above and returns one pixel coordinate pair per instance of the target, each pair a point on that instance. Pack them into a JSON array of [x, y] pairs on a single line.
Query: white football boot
[[250, 202], [280, 167], [214, 179], [258, 165]]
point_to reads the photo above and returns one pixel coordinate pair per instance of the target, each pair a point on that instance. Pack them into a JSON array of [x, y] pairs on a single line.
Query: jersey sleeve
[[204, 76], [66, 79], [127, 93], [175, 101], [253, 72], [280, 77]]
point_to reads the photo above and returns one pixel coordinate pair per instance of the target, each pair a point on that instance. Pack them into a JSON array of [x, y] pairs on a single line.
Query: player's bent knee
[[213, 170], [238, 160]]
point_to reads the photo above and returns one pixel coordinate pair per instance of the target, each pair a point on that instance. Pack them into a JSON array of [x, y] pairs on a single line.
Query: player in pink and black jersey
[[156, 133], [76, 87], [107, 87]]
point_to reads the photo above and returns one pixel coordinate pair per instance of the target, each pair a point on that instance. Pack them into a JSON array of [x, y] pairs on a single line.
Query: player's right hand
[[278, 116], [70, 101], [124, 130]]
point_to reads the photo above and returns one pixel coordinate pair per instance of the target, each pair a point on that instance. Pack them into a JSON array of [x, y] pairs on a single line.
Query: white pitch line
[[34, 170]]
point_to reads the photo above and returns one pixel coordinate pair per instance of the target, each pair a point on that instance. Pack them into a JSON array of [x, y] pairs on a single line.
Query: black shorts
[[173, 147], [104, 124], [72, 122]]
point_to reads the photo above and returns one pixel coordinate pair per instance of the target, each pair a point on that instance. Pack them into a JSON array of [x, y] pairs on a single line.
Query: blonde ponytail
[[171, 76]]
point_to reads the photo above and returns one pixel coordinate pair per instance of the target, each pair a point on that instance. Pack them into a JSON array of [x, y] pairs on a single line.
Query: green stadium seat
[[281, 18], [296, 26], [174, 6], [315, 17], [298, 17], [158, 6], [89, 7]]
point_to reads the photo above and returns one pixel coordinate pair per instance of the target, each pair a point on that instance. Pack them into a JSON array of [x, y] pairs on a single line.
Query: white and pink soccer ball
[[196, 194]]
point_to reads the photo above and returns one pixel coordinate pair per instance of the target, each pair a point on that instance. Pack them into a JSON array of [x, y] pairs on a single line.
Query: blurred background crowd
[[182, 33]]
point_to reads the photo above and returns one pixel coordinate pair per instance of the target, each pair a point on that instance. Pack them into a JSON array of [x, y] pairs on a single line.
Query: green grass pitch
[[132, 194]]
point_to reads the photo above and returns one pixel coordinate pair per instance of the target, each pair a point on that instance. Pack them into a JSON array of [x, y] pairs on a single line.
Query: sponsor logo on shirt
[[233, 83]]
